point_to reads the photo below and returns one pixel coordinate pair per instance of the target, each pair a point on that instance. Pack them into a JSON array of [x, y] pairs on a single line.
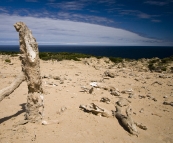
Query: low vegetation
[[8, 60], [155, 64], [62, 56], [12, 54], [160, 65]]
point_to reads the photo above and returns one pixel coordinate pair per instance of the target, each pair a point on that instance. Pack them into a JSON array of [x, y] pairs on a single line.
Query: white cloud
[[84, 18], [73, 5], [51, 31], [3, 9]]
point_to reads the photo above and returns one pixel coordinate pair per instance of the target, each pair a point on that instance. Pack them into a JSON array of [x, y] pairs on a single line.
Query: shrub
[[116, 60], [151, 66], [8, 60], [62, 56], [13, 54], [163, 68]]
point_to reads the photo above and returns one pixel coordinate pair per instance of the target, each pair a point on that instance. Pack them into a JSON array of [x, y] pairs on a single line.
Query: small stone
[[142, 110]]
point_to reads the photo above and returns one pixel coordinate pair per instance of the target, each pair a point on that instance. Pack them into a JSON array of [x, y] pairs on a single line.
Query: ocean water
[[132, 52]]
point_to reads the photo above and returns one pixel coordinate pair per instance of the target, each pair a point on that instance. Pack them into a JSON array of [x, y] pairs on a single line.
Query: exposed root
[[15, 84]]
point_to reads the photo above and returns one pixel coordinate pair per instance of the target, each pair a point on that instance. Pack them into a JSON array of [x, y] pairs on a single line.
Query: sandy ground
[[77, 126]]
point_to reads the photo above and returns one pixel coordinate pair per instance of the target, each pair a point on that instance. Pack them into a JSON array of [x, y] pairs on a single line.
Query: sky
[[89, 22]]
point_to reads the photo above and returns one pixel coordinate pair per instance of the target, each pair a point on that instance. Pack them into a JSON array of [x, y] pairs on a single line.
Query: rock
[[94, 84], [45, 76], [162, 76], [170, 83], [127, 91], [60, 111], [56, 78], [142, 110], [96, 110], [109, 74], [91, 90], [123, 102], [115, 93], [105, 99], [168, 103], [140, 125], [156, 82], [141, 96], [61, 82], [131, 95], [154, 99]]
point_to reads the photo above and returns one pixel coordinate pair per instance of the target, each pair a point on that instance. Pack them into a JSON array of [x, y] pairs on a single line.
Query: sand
[[63, 98]]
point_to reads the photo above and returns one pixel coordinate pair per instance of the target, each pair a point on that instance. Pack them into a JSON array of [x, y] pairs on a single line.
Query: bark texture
[[15, 84], [31, 68], [126, 121]]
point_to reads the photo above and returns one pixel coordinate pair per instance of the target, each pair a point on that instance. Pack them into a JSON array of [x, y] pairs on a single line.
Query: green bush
[[8, 60], [116, 60], [153, 61], [62, 56], [151, 66], [163, 68], [13, 54]]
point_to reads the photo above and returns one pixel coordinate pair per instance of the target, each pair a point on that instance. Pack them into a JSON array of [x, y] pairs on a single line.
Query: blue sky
[[90, 22]]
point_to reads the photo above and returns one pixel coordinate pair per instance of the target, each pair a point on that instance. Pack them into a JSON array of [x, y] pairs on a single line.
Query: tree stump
[[31, 68]]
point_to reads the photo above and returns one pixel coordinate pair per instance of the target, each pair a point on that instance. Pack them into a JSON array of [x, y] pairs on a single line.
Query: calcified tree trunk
[[31, 68], [126, 121]]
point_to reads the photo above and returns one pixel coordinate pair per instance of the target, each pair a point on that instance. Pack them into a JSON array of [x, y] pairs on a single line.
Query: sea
[[131, 52]]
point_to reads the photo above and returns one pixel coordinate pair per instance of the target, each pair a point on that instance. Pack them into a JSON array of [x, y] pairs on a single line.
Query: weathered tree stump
[[31, 68]]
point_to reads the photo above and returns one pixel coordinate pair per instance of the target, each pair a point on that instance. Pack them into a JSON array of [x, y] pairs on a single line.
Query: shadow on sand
[[14, 115]]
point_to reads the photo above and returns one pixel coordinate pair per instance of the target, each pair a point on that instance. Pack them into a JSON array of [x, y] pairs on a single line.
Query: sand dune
[[66, 86]]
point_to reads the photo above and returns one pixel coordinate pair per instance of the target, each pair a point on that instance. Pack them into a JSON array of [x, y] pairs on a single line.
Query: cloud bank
[[63, 32]]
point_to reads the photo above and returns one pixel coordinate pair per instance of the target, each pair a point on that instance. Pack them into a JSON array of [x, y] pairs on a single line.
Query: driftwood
[[31, 68], [15, 84], [123, 102], [96, 110], [127, 121]]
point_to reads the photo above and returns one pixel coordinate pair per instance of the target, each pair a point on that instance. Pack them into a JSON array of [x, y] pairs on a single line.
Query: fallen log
[[15, 84], [126, 121]]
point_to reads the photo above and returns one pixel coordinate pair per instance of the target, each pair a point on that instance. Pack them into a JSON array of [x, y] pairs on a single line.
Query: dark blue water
[[133, 52]]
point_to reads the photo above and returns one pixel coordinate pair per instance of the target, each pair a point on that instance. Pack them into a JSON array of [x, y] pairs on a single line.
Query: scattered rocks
[[141, 96], [131, 95], [105, 99], [114, 92], [142, 110], [156, 82], [84, 89], [96, 110], [56, 78], [168, 103], [129, 91], [91, 90], [109, 74]]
